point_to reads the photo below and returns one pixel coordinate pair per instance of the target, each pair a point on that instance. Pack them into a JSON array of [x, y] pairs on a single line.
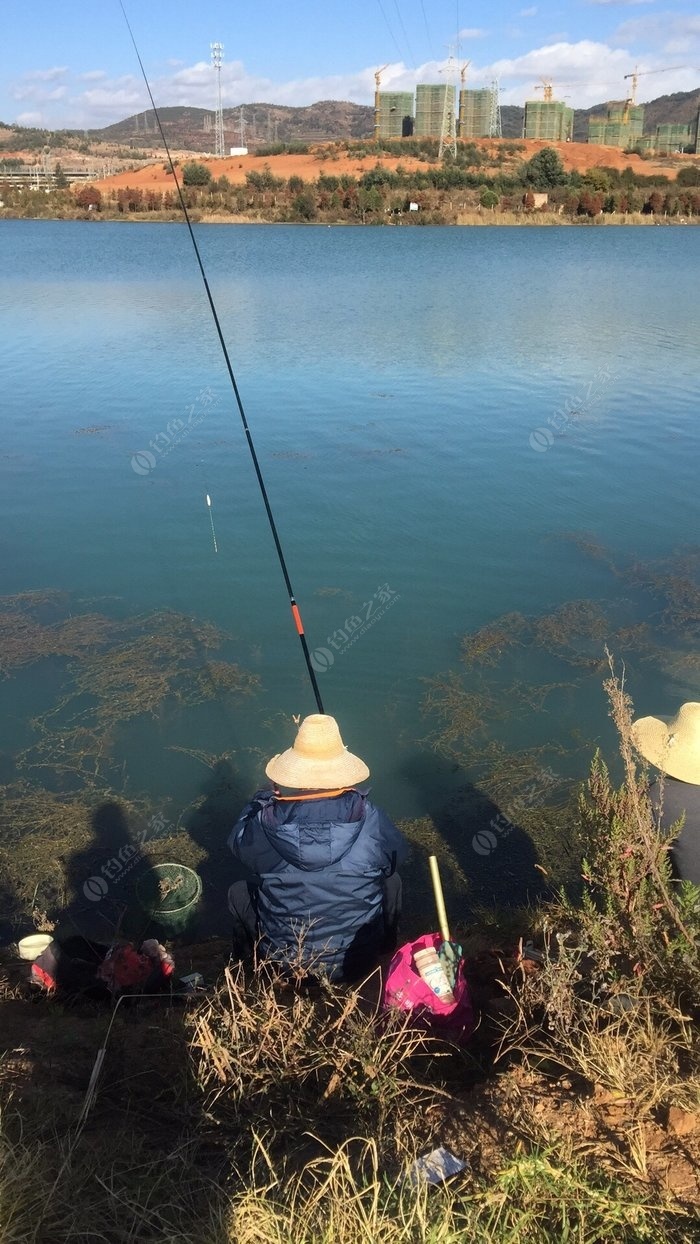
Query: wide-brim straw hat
[[319, 760], [672, 744]]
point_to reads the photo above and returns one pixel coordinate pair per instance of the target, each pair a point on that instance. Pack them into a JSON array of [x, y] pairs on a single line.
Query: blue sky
[[73, 65]]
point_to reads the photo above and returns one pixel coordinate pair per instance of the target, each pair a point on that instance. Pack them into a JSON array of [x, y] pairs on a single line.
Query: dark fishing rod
[[296, 615]]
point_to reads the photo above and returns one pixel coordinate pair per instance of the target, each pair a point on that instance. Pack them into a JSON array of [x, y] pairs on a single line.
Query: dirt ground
[[329, 158], [48, 1052]]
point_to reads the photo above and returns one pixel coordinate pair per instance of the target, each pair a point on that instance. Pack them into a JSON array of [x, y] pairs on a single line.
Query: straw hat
[[672, 743], [319, 760]]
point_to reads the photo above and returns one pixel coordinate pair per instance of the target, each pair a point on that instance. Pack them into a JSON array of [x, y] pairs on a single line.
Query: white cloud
[[587, 72], [46, 75], [619, 3], [37, 92], [472, 32], [528, 12], [675, 34], [29, 118], [105, 104]]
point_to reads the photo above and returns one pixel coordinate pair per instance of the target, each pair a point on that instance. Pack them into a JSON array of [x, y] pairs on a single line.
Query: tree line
[[436, 194]]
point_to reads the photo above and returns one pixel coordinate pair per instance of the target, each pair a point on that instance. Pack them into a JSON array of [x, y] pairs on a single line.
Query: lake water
[[436, 411]]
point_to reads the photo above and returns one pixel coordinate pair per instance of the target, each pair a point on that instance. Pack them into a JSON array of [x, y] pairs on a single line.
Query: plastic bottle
[[433, 973]]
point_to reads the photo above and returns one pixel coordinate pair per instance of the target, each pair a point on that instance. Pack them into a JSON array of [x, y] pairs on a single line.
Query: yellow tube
[[439, 898]]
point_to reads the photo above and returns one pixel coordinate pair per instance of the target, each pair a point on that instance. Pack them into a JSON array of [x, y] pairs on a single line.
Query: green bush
[[195, 174]]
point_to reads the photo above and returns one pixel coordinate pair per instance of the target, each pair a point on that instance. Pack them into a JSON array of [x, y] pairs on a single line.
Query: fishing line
[[261, 482], [427, 31], [211, 520]]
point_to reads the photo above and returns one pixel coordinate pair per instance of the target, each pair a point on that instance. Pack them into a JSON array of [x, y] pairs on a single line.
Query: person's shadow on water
[[101, 879], [209, 825], [496, 855], [149, 1098]]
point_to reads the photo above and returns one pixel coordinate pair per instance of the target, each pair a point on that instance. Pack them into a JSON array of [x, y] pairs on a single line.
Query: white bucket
[[32, 946]]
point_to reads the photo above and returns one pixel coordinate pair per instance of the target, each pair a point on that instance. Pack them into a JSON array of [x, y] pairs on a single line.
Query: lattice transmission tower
[[448, 129], [495, 126], [217, 58]]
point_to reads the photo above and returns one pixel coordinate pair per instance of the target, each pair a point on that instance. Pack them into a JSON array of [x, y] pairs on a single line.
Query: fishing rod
[[296, 615]]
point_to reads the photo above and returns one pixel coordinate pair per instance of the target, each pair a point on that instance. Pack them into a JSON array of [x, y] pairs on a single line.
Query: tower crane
[[548, 88], [377, 83], [463, 83], [642, 73], [637, 73]]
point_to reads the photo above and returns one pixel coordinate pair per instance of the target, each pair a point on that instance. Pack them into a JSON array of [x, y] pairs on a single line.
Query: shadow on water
[[209, 825], [101, 880], [491, 859]]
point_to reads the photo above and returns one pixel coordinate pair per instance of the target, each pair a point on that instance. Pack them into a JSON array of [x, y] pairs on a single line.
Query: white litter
[[436, 1166]]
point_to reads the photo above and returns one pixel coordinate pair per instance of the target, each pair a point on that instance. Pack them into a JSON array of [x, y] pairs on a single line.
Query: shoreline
[[504, 220]]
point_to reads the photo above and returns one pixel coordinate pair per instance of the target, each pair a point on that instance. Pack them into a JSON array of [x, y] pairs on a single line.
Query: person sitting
[[325, 891], [672, 744]]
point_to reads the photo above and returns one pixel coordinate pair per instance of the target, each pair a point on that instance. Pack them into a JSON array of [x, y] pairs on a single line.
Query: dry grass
[[322, 1058]]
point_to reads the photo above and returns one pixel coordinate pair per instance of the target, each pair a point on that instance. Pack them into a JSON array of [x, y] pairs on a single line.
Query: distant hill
[[334, 119], [263, 123], [329, 119]]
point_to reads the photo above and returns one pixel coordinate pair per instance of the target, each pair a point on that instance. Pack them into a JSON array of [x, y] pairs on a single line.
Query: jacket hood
[[312, 835]]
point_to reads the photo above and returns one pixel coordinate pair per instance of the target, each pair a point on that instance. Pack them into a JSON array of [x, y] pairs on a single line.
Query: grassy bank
[[267, 1113], [259, 217]]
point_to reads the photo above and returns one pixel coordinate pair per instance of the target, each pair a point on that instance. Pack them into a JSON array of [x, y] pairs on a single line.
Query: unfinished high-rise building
[[475, 113], [549, 119], [430, 108], [395, 115], [621, 126]]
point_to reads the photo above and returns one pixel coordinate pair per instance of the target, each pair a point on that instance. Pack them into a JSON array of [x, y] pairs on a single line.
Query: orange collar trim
[[321, 794]]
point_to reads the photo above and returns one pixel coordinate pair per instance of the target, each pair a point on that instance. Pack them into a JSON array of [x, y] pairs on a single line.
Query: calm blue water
[[392, 379]]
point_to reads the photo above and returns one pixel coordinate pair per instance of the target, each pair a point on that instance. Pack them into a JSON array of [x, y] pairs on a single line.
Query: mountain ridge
[[338, 119]]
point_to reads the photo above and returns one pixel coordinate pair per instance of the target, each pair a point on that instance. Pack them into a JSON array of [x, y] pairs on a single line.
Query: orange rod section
[[297, 619]]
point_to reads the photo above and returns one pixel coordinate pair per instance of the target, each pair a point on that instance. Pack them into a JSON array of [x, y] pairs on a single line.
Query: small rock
[[681, 1122]]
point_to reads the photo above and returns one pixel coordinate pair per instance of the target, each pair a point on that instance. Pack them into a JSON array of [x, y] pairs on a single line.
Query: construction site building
[[430, 109], [672, 138], [550, 119], [395, 114], [475, 113], [622, 126]]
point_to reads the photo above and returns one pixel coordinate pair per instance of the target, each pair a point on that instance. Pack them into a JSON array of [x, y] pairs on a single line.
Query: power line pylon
[[495, 126], [217, 57], [448, 130]]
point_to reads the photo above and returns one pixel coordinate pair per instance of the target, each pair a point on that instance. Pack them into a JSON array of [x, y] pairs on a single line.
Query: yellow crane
[[377, 83], [463, 72], [637, 73], [548, 87]]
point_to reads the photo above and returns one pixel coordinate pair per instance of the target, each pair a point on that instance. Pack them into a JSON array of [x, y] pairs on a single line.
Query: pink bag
[[405, 989]]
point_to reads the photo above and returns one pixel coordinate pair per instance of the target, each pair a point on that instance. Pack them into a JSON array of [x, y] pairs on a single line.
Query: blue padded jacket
[[320, 867]]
